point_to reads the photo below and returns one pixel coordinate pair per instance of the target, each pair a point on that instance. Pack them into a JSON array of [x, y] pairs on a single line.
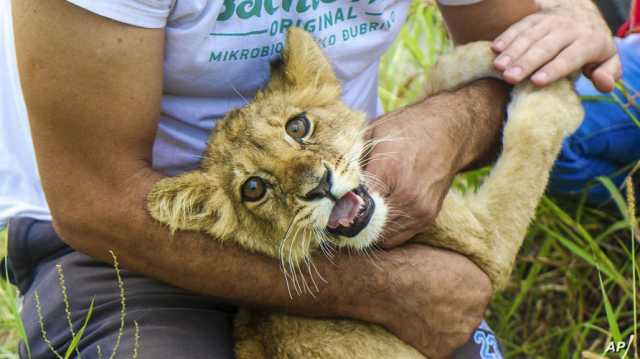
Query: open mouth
[[351, 213]]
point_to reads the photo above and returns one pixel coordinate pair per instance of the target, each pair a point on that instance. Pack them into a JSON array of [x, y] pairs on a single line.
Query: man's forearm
[[470, 118], [483, 27], [194, 261], [477, 110], [575, 6], [83, 123]]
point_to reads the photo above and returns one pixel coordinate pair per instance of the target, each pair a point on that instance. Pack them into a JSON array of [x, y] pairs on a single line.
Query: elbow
[[72, 224], [82, 226], [97, 218]]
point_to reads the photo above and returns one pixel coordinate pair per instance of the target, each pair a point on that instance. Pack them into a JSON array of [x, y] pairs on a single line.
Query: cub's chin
[[357, 219]]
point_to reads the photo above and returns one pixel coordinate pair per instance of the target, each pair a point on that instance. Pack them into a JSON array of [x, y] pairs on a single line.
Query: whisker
[[305, 249], [399, 214], [246, 102], [373, 251], [315, 268], [283, 258], [327, 251], [326, 246], [281, 253], [395, 211], [309, 262], [371, 179], [363, 162], [292, 266]]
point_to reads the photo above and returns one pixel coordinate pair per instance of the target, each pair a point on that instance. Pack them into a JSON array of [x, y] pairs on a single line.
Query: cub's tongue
[[345, 210]]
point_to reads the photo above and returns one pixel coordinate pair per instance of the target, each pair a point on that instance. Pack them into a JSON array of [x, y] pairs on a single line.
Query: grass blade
[[76, 338]]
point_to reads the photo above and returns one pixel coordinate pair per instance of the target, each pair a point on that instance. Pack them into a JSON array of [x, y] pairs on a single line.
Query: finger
[[537, 55], [506, 38], [521, 44], [562, 65], [605, 76]]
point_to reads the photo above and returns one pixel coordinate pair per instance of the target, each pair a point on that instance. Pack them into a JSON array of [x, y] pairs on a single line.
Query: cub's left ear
[[304, 64], [186, 202]]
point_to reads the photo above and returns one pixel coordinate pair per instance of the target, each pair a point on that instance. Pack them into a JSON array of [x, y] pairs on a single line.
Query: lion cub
[[282, 176]]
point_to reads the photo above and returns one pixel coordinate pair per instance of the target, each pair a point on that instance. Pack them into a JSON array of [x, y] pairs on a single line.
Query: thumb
[[604, 77]]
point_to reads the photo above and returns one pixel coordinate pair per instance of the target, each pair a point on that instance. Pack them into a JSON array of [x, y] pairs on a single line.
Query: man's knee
[[171, 322]]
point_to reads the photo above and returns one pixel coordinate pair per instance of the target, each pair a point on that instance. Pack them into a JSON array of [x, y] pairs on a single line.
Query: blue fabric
[[607, 141], [482, 345]]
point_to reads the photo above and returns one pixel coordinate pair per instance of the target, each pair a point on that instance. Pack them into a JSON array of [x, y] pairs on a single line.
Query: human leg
[[172, 323]]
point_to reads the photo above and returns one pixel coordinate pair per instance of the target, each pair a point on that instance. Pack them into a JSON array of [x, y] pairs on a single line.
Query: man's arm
[[490, 18], [93, 89], [552, 37], [462, 127], [451, 132]]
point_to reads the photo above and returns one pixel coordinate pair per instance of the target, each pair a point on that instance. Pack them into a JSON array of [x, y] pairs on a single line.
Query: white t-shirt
[[217, 55]]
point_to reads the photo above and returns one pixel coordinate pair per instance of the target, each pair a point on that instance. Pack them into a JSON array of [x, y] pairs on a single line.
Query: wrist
[[444, 130], [473, 124]]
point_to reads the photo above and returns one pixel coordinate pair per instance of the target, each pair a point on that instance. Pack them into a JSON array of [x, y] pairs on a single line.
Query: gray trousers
[[173, 323]]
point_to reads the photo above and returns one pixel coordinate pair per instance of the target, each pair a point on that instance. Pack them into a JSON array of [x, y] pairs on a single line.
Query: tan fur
[[488, 226]]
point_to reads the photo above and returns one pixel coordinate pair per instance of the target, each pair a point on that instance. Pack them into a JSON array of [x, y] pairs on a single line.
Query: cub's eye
[[298, 126], [253, 189]]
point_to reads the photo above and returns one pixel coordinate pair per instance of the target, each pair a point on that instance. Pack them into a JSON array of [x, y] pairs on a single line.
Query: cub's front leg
[[489, 225]]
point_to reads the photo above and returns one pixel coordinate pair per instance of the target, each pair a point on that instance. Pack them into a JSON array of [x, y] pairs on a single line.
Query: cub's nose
[[323, 189]]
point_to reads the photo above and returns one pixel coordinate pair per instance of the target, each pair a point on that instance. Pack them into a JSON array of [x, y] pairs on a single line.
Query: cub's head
[[282, 175]]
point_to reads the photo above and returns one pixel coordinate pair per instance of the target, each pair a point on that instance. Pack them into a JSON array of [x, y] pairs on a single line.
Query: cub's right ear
[[185, 202]]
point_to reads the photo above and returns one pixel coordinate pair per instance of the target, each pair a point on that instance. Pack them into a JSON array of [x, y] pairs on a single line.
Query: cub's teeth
[[343, 222]]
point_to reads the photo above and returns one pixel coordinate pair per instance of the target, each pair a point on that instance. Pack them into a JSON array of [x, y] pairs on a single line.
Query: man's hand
[[567, 36], [416, 168], [425, 145], [430, 298]]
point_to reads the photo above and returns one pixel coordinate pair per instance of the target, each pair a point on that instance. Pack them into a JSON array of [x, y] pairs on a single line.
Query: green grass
[[574, 288], [9, 323]]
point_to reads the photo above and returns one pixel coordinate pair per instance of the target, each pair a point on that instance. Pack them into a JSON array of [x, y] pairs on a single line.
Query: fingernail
[[513, 72], [503, 61], [540, 77], [610, 84]]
